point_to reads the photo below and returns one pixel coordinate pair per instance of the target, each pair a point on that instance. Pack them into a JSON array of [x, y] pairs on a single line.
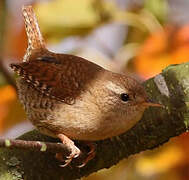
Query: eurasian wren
[[66, 96]]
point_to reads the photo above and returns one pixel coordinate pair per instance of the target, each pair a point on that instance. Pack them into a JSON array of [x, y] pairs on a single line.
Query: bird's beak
[[149, 102]]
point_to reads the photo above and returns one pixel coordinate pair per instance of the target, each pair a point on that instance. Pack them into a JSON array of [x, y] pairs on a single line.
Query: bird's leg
[[75, 152], [90, 155]]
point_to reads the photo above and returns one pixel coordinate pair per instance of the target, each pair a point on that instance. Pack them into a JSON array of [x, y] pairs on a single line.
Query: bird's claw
[[90, 155], [74, 154]]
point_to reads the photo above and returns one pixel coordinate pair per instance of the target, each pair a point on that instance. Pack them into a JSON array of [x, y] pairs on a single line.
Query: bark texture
[[158, 125]]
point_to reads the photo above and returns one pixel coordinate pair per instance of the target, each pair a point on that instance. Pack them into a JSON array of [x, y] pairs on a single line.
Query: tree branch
[[157, 126], [36, 146]]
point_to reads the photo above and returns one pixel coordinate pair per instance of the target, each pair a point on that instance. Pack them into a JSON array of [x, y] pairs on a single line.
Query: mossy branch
[[158, 125]]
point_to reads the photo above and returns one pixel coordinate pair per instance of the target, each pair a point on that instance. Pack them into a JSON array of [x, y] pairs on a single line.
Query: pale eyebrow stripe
[[114, 87]]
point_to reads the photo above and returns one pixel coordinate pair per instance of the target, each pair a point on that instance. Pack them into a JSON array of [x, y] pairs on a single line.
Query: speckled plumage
[[62, 78]]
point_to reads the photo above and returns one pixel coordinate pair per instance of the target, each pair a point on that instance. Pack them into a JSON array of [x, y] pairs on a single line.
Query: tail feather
[[35, 38]]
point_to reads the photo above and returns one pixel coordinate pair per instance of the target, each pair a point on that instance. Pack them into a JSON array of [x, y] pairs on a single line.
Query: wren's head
[[122, 101]]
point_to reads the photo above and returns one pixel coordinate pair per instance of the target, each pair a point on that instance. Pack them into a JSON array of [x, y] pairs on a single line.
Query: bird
[[71, 98]]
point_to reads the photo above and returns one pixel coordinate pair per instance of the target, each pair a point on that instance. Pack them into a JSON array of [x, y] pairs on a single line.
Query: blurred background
[[138, 37]]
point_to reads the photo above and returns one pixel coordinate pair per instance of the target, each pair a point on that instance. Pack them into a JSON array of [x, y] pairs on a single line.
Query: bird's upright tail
[[35, 39]]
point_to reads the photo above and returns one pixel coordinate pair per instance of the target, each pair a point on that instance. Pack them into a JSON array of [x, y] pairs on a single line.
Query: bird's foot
[[75, 152], [90, 155]]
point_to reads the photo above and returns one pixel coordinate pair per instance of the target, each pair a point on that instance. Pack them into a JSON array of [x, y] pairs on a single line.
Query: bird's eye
[[124, 97]]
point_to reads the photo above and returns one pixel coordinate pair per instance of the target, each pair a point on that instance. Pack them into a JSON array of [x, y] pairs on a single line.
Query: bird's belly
[[81, 124]]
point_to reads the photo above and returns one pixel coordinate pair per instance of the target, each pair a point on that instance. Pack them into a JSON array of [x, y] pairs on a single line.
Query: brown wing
[[62, 77]]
